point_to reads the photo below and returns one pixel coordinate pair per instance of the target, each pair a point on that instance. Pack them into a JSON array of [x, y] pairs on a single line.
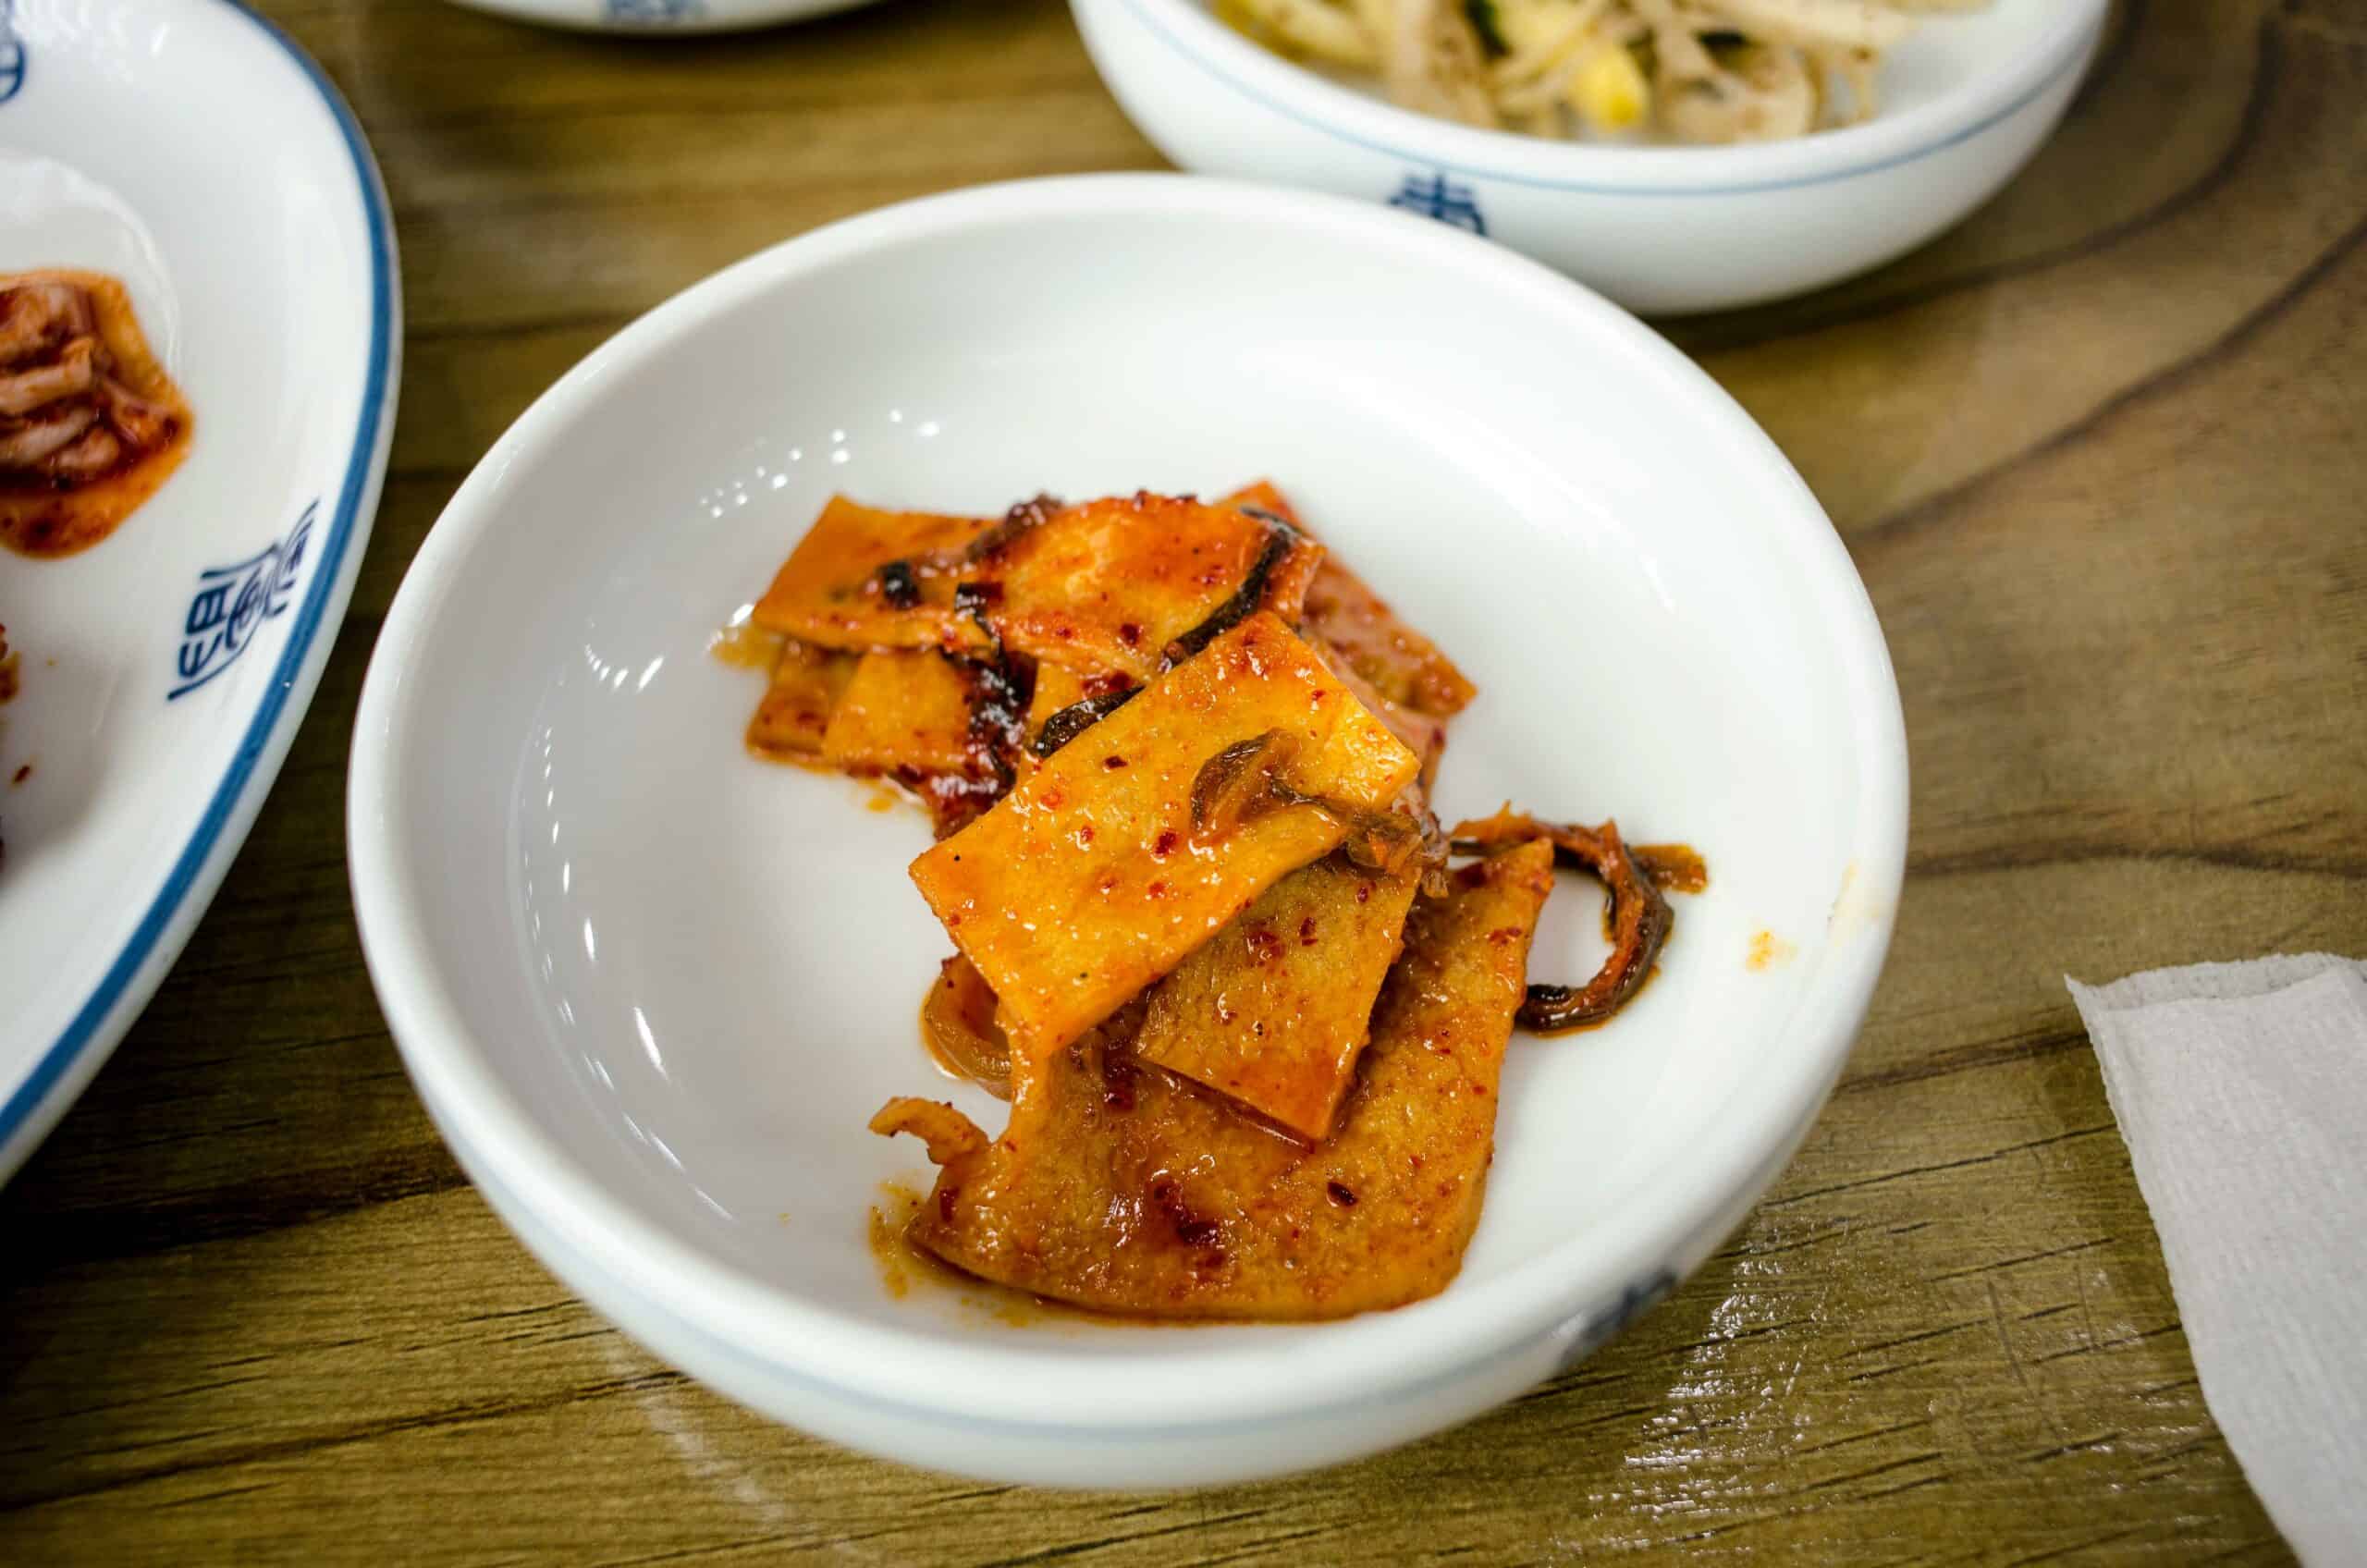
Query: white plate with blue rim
[[661, 16], [188, 150]]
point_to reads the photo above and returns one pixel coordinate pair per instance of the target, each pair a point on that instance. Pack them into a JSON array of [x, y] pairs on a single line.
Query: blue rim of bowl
[[694, 18], [2073, 61], [89, 1023]]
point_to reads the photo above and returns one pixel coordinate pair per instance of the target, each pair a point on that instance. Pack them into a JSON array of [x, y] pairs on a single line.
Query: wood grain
[[2096, 454]]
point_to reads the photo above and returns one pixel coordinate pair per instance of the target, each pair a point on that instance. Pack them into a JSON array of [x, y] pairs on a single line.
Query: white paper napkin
[[2242, 1089]]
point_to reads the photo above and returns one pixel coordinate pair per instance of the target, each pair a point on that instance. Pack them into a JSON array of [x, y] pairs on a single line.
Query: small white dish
[[188, 148], [651, 988], [660, 16], [1967, 101]]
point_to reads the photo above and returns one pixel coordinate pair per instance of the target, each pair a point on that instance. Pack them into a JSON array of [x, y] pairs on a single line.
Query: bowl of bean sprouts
[[1678, 156]]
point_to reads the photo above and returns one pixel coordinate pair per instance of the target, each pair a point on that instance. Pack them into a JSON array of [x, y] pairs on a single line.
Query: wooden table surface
[[2098, 456]]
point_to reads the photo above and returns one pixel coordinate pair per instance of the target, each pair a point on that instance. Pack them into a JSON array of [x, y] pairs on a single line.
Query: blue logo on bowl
[[232, 601], [12, 53], [1435, 196], [1607, 1325], [653, 13]]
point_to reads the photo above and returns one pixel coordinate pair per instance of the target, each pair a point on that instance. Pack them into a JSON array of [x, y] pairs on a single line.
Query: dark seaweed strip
[[1489, 25], [1021, 519], [899, 580], [1220, 795], [977, 600], [1281, 538], [1001, 686], [1077, 717], [1243, 781], [999, 693], [1640, 917], [897, 585]]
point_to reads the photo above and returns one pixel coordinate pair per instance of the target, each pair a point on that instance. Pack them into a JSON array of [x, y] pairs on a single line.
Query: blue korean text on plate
[[232, 601], [653, 13], [12, 53], [1435, 196]]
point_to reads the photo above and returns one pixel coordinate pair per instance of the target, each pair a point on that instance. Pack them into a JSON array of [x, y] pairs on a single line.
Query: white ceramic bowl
[[651, 988], [193, 150], [661, 16], [1660, 229]]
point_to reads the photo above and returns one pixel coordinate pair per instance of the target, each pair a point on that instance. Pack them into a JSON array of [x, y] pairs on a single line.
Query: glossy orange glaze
[[1423, 734], [1088, 882], [1106, 585], [905, 708], [1055, 688], [952, 1138], [1636, 919], [1677, 867], [46, 516], [826, 592], [743, 644], [794, 712], [906, 1267], [1119, 1188], [1286, 593], [953, 801], [958, 1028], [888, 1249], [1272, 1011], [1264, 494]]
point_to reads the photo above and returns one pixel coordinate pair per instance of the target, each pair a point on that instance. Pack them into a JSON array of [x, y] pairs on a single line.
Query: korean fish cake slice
[[1118, 1187], [1274, 1011], [904, 708], [1105, 586], [1100, 587], [794, 712], [829, 592], [1090, 879]]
